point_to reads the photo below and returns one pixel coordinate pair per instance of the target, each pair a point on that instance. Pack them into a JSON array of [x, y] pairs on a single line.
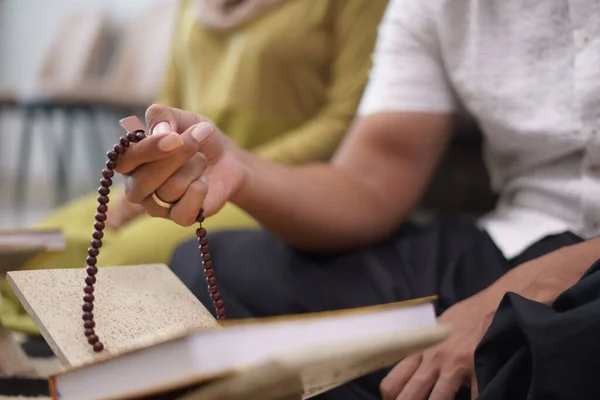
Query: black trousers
[[259, 275]]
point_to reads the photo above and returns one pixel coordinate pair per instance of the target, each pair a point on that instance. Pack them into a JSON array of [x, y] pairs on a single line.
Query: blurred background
[[69, 69], [64, 82]]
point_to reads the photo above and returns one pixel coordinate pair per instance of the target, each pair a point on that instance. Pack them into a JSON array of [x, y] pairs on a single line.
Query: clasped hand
[[186, 161]]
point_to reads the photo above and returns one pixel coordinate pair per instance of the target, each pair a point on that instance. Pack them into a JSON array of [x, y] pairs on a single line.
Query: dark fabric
[[533, 351], [37, 347], [259, 275], [24, 387]]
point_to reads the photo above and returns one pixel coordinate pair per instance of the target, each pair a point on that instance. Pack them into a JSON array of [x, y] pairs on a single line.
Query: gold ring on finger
[[161, 202]]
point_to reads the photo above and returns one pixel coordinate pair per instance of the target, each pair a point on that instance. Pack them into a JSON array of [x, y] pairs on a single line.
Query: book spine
[[54, 395]]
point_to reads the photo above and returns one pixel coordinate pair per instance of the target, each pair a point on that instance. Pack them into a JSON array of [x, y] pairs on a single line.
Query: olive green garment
[[286, 85]]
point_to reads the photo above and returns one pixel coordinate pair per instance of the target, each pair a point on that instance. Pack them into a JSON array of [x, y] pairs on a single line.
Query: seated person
[[283, 78], [336, 234]]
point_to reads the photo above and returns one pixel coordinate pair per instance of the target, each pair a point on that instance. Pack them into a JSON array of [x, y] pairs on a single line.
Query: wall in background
[[27, 26]]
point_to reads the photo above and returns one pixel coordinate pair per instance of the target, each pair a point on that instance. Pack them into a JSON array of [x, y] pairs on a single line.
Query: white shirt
[[529, 71]]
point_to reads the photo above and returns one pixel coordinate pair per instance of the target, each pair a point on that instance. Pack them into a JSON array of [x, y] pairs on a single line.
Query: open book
[[161, 339]]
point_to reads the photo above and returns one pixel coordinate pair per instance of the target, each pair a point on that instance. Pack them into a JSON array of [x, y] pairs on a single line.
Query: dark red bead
[[91, 260], [207, 264], [209, 273], [131, 136], [200, 218], [93, 339], [213, 289], [206, 257], [106, 182], [203, 241], [124, 141], [87, 307], [89, 332], [103, 191], [90, 279], [93, 252], [139, 135], [87, 316], [119, 149], [211, 281], [215, 296], [102, 199], [112, 155], [96, 242], [201, 232], [89, 324], [98, 347], [89, 289], [99, 225], [201, 211], [107, 173], [221, 312], [204, 249], [91, 270], [110, 164], [102, 208], [98, 234], [218, 304], [100, 217], [89, 298]]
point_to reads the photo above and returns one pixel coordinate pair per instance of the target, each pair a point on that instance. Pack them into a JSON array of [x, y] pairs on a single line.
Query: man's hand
[[122, 212], [438, 372]]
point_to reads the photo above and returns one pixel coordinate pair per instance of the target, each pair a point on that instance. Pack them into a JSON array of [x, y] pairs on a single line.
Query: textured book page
[[135, 306]]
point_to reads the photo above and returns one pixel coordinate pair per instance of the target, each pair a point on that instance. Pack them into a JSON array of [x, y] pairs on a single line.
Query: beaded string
[[96, 243]]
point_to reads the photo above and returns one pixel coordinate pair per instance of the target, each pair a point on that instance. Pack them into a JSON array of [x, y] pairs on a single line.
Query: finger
[[420, 383], [160, 118], [113, 221], [446, 386], [474, 387], [153, 148], [185, 211], [394, 382], [149, 177], [187, 208], [176, 185]]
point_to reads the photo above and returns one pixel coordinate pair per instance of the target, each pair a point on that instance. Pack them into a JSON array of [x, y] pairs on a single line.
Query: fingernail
[[203, 179], [201, 132], [162, 127], [170, 142]]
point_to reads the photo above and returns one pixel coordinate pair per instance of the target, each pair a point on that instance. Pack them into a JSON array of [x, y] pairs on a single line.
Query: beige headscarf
[[226, 14]]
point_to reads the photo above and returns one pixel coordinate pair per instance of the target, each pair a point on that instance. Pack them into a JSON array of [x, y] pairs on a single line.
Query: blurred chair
[[135, 69], [128, 86], [75, 54]]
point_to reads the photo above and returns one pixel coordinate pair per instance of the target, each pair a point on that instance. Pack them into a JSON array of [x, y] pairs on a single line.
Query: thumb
[[161, 119], [208, 139]]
